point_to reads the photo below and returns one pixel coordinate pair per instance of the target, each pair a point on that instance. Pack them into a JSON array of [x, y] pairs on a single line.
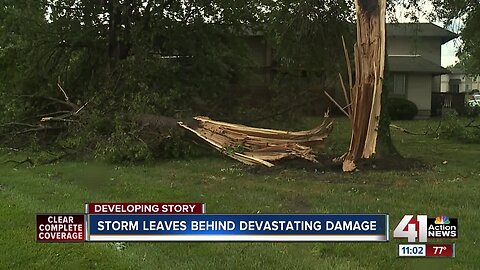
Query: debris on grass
[[259, 146]]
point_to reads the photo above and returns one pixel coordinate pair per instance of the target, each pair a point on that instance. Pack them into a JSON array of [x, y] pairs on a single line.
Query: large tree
[[164, 57], [162, 47], [464, 15], [179, 52]]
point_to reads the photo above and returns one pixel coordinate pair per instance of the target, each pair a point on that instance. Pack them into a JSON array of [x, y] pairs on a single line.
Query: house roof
[[419, 29], [414, 64]]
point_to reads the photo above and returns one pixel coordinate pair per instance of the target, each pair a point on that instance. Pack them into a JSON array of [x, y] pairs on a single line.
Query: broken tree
[[365, 94], [259, 146]]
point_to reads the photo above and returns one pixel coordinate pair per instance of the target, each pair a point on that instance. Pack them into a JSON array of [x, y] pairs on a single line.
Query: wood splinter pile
[[259, 146]]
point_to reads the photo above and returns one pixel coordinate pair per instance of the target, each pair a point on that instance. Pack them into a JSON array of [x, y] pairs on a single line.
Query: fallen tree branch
[[83, 106], [18, 124], [58, 119], [55, 159], [57, 116], [471, 122], [137, 137], [40, 116], [56, 100], [439, 125], [18, 163], [10, 149], [260, 146], [63, 91], [406, 130], [39, 128]]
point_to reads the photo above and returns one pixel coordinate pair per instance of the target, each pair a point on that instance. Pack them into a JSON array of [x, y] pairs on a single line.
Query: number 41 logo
[[412, 228]]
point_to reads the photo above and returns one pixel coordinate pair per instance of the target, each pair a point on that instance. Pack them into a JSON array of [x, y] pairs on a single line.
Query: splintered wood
[[259, 146], [364, 103]]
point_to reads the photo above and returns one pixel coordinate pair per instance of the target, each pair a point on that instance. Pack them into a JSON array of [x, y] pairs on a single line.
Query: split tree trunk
[[367, 91]]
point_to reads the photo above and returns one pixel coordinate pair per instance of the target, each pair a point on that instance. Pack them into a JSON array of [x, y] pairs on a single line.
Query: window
[[399, 85]]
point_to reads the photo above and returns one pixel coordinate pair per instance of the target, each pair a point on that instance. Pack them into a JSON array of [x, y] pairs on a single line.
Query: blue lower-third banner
[[238, 227]]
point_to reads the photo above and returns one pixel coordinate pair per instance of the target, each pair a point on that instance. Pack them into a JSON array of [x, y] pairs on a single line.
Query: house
[[459, 82], [414, 62]]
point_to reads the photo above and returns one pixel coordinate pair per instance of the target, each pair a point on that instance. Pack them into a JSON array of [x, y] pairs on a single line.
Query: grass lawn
[[450, 189]]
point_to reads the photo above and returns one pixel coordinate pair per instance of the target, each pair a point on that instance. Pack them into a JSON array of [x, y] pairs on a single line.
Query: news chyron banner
[[237, 227], [182, 222]]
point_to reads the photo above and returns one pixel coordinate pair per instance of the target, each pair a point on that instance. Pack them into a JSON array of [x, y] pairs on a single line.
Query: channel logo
[[421, 228], [442, 220]]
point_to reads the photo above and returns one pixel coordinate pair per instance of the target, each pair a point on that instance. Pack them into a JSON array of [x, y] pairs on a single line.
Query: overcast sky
[[449, 49]]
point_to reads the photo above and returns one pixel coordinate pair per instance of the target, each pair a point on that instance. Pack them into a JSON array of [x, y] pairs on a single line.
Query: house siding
[[445, 79], [419, 92], [428, 48]]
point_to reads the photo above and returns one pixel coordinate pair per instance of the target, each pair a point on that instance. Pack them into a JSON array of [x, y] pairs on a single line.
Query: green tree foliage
[[464, 15], [307, 36], [120, 50], [469, 52], [20, 25], [164, 57], [177, 49]]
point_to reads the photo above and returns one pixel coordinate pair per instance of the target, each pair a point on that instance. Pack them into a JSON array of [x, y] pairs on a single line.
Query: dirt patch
[[326, 164], [298, 204], [393, 163]]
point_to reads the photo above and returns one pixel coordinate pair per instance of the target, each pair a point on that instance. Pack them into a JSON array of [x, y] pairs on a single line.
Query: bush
[[402, 109]]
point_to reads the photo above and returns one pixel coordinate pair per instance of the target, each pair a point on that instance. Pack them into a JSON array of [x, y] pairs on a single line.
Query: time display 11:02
[[411, 250]]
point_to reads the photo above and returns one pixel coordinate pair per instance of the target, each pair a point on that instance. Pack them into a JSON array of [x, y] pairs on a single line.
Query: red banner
[[440, 250], [145, 208], [60, 228]]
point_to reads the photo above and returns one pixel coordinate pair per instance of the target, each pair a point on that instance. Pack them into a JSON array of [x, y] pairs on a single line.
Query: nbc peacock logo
[[442, 227], [442, 220]]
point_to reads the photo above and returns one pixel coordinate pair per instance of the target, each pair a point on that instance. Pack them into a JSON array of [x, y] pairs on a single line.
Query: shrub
[[402, 109]]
